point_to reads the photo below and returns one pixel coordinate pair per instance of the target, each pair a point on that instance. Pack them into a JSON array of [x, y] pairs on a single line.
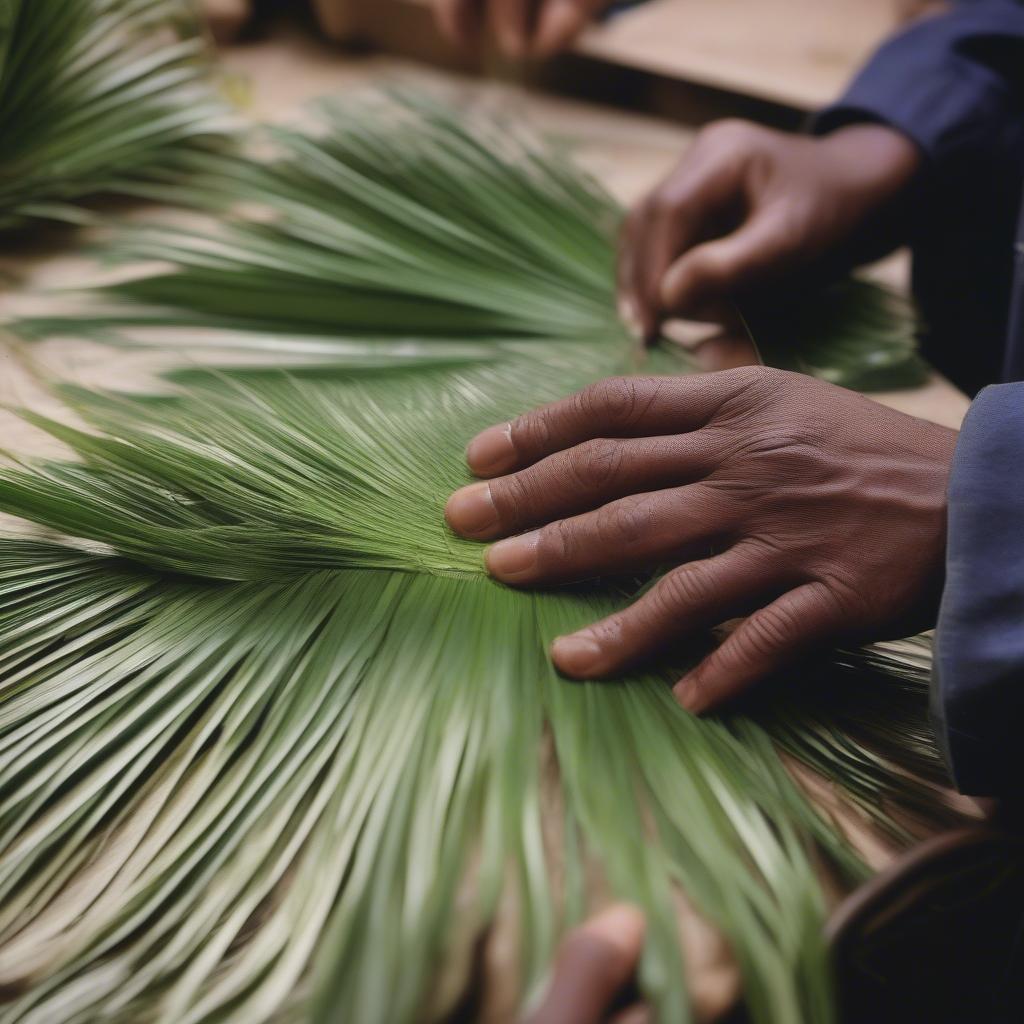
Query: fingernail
[[514, 559], [621, 924], [491, 452], [688, 333], [576, 655], [630, 318], [470, 511], [687, 694]]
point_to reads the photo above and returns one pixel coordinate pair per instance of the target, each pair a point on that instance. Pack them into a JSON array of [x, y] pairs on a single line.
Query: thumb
[[712, 273], [594, 963]]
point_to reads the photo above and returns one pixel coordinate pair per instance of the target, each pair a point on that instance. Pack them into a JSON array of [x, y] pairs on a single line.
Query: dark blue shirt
[[954, 83]]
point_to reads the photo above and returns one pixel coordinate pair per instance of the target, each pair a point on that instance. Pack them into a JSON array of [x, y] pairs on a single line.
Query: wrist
[[881, 161]]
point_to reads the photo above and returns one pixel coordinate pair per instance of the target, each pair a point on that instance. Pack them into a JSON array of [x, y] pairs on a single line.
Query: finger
[[710, 274], [512, 21], [694, 596], [595, 961], [458, 20], [558, 23], [678, 214], [637, 1014], [797, 622], [637, 532], [578, 480], [226, 18], [615, 407]]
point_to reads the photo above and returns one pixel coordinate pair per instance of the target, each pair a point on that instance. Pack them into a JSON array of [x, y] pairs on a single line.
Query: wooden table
[[794, 52]]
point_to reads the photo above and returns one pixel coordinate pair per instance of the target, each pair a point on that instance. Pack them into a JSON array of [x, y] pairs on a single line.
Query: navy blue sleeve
[[978, 675], [944, 81]]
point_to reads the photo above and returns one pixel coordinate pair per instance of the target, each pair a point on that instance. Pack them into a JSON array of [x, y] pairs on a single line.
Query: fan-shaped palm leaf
[[272, 745]]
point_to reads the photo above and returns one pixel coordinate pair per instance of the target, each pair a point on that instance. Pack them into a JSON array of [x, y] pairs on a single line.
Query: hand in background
[[226, 18], [747, 206], [595, 963], [522, 28], [816, 512]]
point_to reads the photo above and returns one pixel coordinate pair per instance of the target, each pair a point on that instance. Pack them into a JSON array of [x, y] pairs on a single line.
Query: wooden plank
[[799, 53]]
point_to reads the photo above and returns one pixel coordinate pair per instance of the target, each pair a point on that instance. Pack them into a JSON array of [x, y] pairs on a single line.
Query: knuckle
[[771, 630], [515, 497], [768, 632], [752, 387], [595, 465], [558, 543], [625, 522], [618, 402], [684, 588], [836, 596], [532, 430]]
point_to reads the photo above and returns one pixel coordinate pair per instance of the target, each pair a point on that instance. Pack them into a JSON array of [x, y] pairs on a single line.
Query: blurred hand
[[595, 962], [815, 511], [522, 28], [747, 206], [226, 17]]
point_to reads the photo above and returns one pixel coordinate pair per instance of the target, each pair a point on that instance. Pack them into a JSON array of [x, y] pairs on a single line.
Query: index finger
[[615, 407], [682, 211]]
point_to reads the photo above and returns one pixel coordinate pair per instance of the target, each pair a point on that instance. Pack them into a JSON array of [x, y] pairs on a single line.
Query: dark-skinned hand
[[595, 963], [816, 512], [747, 206], [522, 28]]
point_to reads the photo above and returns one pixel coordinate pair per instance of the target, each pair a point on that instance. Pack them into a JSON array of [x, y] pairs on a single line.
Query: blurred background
[[680, 58]]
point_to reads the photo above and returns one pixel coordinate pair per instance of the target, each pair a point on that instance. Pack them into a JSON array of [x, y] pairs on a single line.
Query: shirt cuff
[[934, 83], [978, 671]]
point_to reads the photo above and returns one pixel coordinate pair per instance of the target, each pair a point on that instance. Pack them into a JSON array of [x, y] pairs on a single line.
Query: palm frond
[[463, 231], [271, 742], [96, 96]]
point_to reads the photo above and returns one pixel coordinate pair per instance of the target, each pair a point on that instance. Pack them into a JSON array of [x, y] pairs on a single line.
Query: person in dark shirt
[[832, 518]]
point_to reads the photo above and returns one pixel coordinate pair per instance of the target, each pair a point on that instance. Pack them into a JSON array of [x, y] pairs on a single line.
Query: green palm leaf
[[460, 233], [96, 96], [272, 745]]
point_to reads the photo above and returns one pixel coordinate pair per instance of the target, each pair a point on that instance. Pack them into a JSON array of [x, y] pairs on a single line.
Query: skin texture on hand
[[522, 28], [747, 206], [595, 962], [816, 512]]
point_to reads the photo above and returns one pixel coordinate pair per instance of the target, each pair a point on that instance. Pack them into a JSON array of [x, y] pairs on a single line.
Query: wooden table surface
[[800, 53]]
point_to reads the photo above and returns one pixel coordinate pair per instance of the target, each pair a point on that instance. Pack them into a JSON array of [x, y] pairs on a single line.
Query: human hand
[[226, 18], [747, 206], [522, 28], [595, 963], [815, 511]]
